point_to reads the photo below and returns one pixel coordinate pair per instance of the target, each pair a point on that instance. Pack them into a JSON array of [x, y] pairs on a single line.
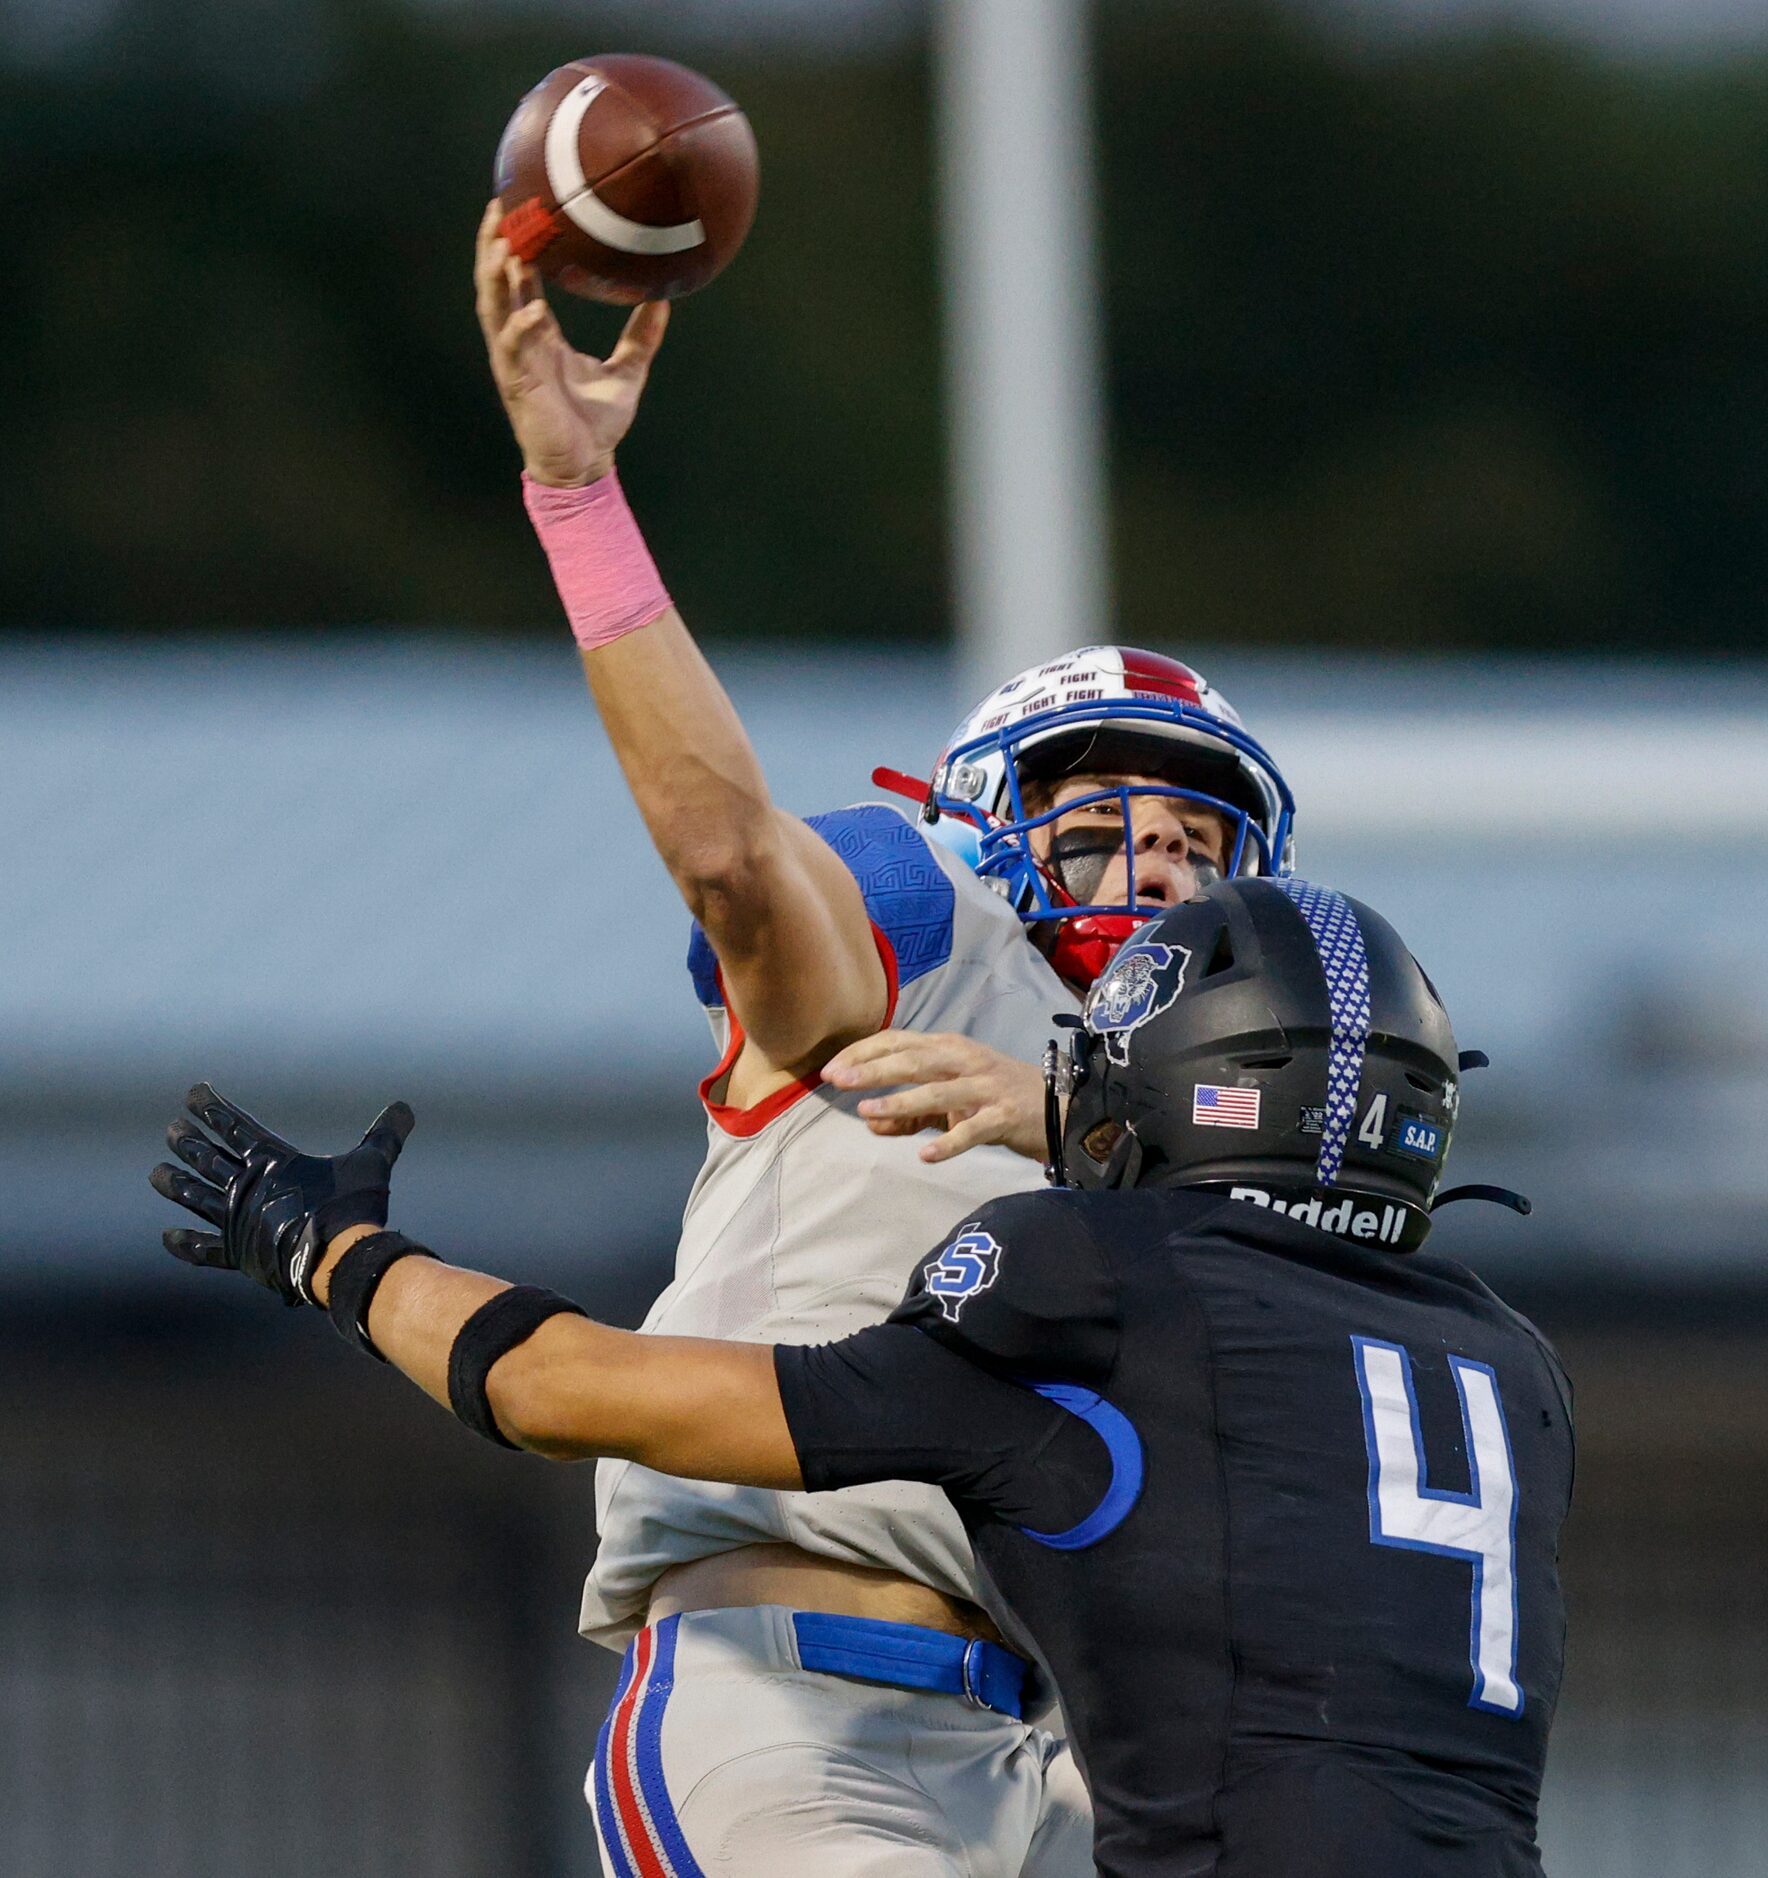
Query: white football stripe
[[564, 171]]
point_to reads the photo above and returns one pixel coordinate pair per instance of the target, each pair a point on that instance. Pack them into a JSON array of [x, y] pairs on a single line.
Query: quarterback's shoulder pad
[[1021, 1286], [908, 895]]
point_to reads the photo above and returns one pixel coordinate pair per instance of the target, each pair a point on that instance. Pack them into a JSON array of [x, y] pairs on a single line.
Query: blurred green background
[[1453, 343]]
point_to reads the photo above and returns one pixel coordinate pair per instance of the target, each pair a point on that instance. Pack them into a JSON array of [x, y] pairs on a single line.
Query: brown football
[[626, 178]]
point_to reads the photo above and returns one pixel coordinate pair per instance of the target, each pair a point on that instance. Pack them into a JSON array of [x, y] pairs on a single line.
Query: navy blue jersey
[[1279, 1512]]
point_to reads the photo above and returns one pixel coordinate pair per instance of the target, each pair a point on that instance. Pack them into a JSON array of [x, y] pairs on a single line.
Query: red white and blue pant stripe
[[640, 1835]]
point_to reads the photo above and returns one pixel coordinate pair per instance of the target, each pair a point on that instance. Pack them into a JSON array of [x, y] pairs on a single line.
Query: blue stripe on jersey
[[907, 894], [1124, 1446]]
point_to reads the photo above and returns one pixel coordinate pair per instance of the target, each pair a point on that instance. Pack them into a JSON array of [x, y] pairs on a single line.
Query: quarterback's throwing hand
[[274, 1209], [569, 411], [978, 1096]]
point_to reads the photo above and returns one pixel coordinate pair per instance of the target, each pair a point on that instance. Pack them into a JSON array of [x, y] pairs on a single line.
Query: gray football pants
[[723, 1757]]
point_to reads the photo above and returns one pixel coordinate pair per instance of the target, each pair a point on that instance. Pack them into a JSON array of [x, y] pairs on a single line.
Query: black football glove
[[276, 1208]]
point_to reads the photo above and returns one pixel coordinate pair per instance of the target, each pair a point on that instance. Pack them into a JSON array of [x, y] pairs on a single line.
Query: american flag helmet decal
[[1339, 941]]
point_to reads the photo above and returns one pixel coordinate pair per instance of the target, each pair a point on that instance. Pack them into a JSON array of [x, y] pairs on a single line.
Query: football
[[627, 178]]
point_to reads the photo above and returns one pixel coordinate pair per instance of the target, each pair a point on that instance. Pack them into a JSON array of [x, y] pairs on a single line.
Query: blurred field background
[[1436, 348]]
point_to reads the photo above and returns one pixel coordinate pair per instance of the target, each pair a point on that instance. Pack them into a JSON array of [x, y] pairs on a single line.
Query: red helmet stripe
[[1167, 678]]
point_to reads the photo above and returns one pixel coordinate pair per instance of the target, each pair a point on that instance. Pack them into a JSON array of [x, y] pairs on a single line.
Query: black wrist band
[[357, 1277], [493, 1330]]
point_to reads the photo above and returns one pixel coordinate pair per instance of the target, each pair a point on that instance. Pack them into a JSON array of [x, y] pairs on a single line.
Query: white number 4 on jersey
[[1478, 1526]]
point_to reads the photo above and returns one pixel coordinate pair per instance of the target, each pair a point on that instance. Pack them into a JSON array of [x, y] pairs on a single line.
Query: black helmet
[[1274, 1041]]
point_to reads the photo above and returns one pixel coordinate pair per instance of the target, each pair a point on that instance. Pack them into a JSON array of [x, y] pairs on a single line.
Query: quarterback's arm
[[781, 911], [785, 918]]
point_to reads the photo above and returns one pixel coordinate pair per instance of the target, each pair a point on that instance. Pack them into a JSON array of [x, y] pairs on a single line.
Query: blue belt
[[912, 1658]]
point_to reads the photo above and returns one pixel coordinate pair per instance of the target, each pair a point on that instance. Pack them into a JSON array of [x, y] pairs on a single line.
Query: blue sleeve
[[907, 895]]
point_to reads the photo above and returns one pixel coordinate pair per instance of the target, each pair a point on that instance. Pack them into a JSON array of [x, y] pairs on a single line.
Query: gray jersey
[[803, 1226]]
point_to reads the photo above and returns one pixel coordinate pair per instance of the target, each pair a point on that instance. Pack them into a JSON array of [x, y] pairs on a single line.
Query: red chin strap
[[1084, 947]]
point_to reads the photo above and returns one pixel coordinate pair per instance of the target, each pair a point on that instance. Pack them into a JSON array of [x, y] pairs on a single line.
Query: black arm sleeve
[[889, 1403]]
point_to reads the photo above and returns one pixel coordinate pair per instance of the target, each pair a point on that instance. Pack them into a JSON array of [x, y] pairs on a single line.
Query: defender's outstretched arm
[[782, 913], [527, 1369], [577, 1390], [557, 1384]]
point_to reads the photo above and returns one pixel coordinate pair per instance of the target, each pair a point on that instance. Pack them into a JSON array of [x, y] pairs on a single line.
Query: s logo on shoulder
[[971, 1263], [1143, 980]]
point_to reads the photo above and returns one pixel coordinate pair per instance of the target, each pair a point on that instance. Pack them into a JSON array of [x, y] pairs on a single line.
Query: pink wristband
[[600, 564]]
